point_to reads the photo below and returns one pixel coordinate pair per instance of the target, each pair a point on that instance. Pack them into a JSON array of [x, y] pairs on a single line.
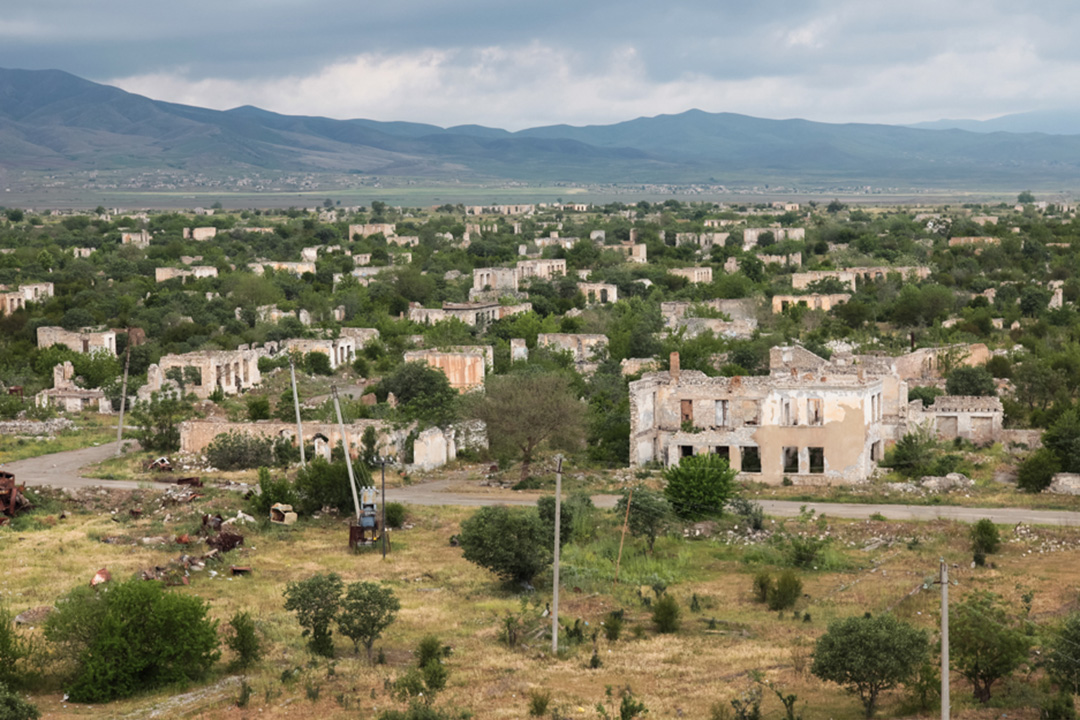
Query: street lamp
[[382, 460]]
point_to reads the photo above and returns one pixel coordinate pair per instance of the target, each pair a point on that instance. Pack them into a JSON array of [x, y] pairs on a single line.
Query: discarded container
[[282, 514], [101, 576]]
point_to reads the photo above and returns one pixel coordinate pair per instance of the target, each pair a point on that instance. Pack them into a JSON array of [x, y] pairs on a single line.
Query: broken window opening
[[786, 410], [721, 413], [817, 460], [791, 460], [723, 451], [751, 459], [686, 411], [686, 451], [814, 414]]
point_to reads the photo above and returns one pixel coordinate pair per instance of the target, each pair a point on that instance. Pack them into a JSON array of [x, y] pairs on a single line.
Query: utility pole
[[383, 507], [123, 397], [555, 582], [296, 404], [345, 447], [944, 580]]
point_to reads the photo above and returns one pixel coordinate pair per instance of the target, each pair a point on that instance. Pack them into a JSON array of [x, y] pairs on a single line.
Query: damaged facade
[[583, 347], [206, 370], [464, 365], [85, 341], [65, 396]]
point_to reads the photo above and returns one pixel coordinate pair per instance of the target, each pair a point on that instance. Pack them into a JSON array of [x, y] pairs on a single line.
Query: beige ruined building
[[599, 292], [12, 300], [341, 351], [84, 342], [814, 301], [812, 420], [360, 336], [200, 234], [635, 252], [296, 268], [694, 274], [751, 236], [387, 229], [478, 314], [848, 276], [973, 240], [543, 269], [138, 238], [65, 396], [812, 430], [584, 348], [494, 281], [206, 370], [464, 365], [162, 274], [311, 254]]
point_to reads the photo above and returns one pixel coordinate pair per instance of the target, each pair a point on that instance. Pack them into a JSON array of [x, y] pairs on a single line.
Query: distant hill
[[51, 120], [1051, 122]]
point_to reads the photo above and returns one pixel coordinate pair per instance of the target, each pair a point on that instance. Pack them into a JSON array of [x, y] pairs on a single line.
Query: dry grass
[[444, 595], [93, 429]]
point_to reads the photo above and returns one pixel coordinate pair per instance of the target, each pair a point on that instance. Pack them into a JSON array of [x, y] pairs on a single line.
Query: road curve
[[61, 469]]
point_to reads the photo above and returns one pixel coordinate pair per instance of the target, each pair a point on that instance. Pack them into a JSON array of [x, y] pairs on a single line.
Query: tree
[[699, 486], [315, 602], [526, 410], [132, 636], [258, 408], [1062, 661], [422, 392], [985, 537], [158, 421], [243, 640], [912, 454], [512, 543], [649, 513], [1025, 198], [318, 363], [545, 506], [966, 380], [869, 655], [1063, 439], [1037, 471], [986, 643], [366, 610]]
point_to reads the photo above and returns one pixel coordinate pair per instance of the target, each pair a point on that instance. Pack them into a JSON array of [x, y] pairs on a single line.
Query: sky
[[516, 64]]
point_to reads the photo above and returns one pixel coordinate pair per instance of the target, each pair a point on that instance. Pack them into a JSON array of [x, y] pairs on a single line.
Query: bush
[[395, 515], [649, 515], [13, 650], [239, 451], [699, 486], [763, 584], [258, 408], [158, 421], [750, 511], [243, 641], [315, 602], [430, 648], [512, 543], [786, 592], [318, 363], [913, 453], [132, 636], [538, 702], [545, 505], [367, 609], [14, 707], [985, 537], [1037, 471], [1062, 662], [613, 624], [665, 614], [271, 492]]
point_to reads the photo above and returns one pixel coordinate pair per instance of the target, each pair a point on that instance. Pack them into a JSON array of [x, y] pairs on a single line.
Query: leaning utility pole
[[296, 404], [555, 581], [123, 397], [345, 447], [944, 580], [626, 522]]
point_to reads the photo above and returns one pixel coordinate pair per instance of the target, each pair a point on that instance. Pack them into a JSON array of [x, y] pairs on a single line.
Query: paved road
[[438, 493], [62, 469]]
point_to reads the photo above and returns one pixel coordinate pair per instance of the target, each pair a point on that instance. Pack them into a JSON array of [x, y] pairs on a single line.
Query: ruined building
[[464, 365], [64, 395], [84, 341], [206, 370]]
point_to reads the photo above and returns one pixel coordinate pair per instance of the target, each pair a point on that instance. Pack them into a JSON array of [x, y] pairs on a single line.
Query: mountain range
[[54, 121]]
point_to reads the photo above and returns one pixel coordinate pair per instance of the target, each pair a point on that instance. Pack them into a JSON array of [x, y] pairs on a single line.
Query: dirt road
[[62, 469]]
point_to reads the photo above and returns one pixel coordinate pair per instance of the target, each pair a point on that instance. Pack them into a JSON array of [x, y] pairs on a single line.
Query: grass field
[[91, 429], [867, 566]]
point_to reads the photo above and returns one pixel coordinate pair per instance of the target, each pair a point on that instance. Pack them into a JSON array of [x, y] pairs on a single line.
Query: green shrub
[[243, 641], [763, 584], [786, 592], [985, 537], [315, 602], [803, 552], [1057, 707], [512, 543], [395, 515], [318, 363], [14, 707], [430, 648], [14, 649], [366, 610], [1037, 471], [258, 408], [271, 491], [545, 505], [665, 614], [613, 624], [322, 484], [132, 636], [538, 702], [239, 451], [699, 486]]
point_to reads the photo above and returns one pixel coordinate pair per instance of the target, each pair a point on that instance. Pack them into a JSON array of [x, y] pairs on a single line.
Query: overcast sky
[[515, 64]]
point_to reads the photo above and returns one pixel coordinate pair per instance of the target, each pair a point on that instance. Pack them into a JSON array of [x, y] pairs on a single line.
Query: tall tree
[[987, 642]]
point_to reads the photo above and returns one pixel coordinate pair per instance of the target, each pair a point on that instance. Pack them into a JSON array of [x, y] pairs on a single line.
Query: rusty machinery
[[12, 497]]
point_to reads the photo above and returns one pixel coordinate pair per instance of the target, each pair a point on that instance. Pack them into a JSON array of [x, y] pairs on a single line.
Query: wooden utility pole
[[626, 521], [944, 580], [345, 447], [123, 397], [555, 582], [296, 404]]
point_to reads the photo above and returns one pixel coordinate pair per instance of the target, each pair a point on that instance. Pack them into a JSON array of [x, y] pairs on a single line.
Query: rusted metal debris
[[184, 539], [12, 497], [225, 541], [101, 576], [162, 464], [190, 481], [177, 496]]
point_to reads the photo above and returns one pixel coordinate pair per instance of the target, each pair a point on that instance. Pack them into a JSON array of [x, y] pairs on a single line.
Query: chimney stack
[[674, 366]]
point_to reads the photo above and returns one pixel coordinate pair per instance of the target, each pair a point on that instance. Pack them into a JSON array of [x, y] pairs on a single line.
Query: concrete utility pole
[[382, 507], [296, 404], [345, 447], [555, 581], [944, 580], [123, 397], [626, 522]]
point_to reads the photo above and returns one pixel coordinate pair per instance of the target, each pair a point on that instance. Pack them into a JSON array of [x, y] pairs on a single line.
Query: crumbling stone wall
[[81, 342], [230, 370], [464, 367]]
